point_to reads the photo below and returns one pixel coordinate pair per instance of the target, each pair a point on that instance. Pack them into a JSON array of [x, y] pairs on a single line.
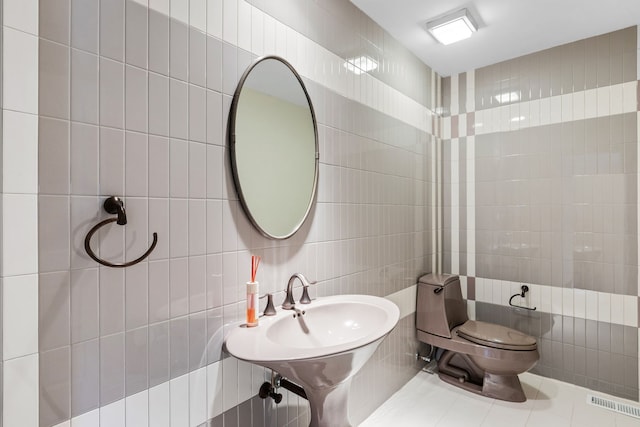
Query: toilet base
[[459, 370], [503, 387]]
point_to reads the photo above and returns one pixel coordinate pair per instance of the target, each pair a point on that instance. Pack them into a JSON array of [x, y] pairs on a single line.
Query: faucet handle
[[288, 302], [270, 309], [304, 299]]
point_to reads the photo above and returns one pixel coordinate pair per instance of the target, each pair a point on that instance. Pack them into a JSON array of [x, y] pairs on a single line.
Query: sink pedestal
[[326, 382], [329, 406], [320, 350]]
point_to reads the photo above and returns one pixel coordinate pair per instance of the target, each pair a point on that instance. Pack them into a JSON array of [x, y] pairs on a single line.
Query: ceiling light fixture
[[360, 65], [453, 27]]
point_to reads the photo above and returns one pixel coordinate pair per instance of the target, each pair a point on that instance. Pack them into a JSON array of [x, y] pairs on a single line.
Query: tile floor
[[425, 401]]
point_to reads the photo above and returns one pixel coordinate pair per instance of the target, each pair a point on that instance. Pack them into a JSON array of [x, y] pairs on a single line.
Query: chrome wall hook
[[114, 205]]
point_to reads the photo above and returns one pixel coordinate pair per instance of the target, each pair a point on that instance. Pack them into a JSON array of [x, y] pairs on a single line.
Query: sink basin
[[321, 349]]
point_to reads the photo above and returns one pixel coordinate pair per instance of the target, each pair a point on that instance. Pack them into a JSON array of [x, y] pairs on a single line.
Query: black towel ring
[[523, 290], [114, 205]]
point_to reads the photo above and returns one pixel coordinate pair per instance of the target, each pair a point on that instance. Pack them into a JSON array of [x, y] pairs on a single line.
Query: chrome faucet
[[289, 302]]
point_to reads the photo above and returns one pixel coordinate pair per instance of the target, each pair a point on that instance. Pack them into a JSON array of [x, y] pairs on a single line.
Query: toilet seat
[[496, 336]]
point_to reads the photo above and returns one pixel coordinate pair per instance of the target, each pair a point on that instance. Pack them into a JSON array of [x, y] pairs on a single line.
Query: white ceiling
[[507, 28]]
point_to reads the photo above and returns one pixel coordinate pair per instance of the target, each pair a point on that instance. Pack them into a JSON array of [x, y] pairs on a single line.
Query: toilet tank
[[439, 305]]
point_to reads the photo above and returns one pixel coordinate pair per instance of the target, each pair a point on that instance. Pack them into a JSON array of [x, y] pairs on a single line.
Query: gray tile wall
[[134, 103], [604, 60], [555, 204], [343, 29], [1, 222], [597, 355], [292, 411]]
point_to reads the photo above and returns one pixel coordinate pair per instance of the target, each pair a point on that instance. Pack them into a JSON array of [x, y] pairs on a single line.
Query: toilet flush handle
[[438, 290]]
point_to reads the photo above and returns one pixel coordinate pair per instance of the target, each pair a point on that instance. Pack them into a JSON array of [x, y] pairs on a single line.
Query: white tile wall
[[244, 25], [455, 92], [179, 401], [113, 414], [20, 307], [161, 6], [230, 383], [20, 241], [20, 391], [20, 52], [455, 205], [405, 300], [592, 103], [20, 71], [137, 410], [159, 405], [179, 10], [20, 215], [89, 419], [580, 303], [198, 14], [471, 203], [197, 397], [214, 390], [21, 15], [20, 152], [230, 21]]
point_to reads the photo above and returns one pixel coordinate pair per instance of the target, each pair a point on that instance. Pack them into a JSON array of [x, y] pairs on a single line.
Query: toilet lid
[[496, 336]]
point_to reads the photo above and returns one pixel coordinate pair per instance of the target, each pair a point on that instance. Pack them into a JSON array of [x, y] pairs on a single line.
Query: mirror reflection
[[273, 141]]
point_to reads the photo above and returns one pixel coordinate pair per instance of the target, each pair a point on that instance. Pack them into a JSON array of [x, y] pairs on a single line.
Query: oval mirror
[[274, 147]]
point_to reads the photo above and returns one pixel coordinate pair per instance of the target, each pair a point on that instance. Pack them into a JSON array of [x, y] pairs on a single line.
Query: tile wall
[[132, 100], [1, 192], [541, 188], [19, 275]]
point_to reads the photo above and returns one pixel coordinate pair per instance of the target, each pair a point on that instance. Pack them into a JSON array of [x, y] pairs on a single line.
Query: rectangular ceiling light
[[361, 64], [452, 28]]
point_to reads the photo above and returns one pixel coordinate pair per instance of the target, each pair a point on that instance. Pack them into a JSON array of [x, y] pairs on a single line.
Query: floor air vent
[[612, 405]]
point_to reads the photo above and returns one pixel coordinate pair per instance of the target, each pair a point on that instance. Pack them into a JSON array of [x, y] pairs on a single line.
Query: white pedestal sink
[[321, 350]]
